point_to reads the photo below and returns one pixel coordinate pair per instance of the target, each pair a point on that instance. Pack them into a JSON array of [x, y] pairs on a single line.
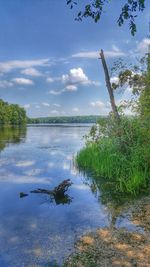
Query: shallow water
[[34, 230]]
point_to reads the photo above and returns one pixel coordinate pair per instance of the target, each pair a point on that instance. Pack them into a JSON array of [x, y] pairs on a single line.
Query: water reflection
[[11, 135], [58, 200], [119, 206], [38, 229], [105, 192], [33, 230]]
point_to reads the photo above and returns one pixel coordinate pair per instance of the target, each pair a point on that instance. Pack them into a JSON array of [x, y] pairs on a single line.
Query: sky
[[49, 63]]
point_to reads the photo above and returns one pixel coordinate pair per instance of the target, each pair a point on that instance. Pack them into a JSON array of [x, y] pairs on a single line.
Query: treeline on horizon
[[66, 119], [12, 114]]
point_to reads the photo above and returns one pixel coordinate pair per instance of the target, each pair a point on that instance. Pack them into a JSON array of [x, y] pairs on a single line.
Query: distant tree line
[[11, 114], [66, 119]]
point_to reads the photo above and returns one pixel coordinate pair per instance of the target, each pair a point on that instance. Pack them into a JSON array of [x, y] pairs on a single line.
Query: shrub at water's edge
[[120, 152], [12, 114]]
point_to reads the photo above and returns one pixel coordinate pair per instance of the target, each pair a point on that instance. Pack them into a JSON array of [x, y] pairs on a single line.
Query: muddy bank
[[111, 247]]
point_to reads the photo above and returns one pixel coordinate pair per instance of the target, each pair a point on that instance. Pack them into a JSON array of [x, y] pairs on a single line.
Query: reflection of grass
[[107, 190], [51, 264]]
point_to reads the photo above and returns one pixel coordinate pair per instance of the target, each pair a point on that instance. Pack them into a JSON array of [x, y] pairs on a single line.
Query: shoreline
[[112, 247]]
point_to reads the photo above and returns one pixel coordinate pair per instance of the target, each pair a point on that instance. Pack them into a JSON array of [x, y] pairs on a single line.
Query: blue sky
[[49, 62]]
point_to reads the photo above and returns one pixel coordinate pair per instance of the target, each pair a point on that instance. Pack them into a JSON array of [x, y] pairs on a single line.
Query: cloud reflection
[[66, 165], [80, 186], [9, 178], [33, 172], [25, 163]]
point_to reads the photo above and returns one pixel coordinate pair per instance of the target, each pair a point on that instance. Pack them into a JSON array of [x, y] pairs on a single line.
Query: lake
[[36, 230]]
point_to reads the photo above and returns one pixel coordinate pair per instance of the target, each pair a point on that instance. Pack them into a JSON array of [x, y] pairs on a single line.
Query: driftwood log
[[22, 194], [58, 190], [58, 194]]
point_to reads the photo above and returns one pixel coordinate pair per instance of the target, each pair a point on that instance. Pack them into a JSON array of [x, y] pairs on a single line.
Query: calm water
[[35, 231]]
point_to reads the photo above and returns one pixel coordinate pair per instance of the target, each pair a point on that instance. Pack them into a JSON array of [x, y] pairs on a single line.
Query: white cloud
[[114, 79], [142, 47], [75, 109], [55, 112], [75, 76], [5, 84], [96, 83], [37, 106], [115, 48], [46, 104], [103, 108], [22, 81], [22, 64], [56, 92], [63, 112], [71, 87], [92, 55], [31, 72], [50, 80], [27, 106], [72, 80], [57, 105], [115, 52], [99, 104]]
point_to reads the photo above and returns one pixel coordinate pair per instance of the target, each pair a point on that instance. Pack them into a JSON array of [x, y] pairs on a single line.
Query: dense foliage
[[95, 8], [65, 119], [121, 151], [11, 114], [137, 78]]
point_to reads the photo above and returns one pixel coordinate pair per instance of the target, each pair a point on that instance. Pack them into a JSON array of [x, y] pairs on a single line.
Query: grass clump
[[119, 152]]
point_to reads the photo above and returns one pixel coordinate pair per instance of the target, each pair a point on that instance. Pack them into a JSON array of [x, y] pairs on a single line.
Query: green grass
[[125, 159]]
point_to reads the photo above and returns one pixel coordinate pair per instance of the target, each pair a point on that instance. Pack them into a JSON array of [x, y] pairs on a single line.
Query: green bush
[[119, 152]]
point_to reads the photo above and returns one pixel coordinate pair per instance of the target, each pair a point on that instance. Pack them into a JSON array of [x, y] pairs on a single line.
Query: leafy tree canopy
[[11, 114], [137, 78], [94, 10]]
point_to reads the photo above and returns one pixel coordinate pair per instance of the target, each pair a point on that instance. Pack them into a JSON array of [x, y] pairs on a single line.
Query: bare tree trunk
[[109, 87]]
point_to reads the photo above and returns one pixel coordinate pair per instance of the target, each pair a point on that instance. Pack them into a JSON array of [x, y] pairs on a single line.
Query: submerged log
[[41, 191], [22, 194], [58, 190], [58, 193], [62, 187]]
